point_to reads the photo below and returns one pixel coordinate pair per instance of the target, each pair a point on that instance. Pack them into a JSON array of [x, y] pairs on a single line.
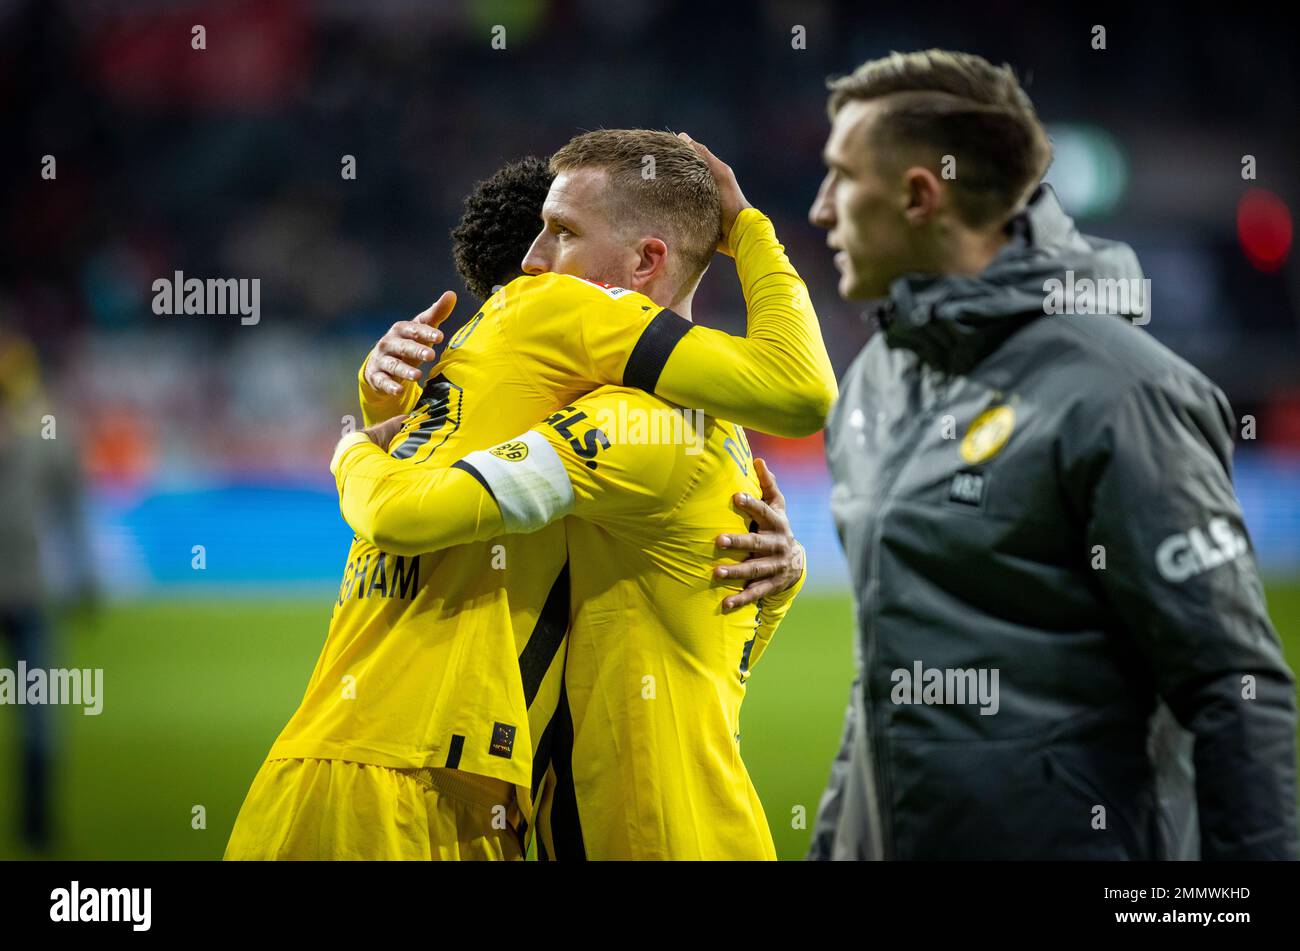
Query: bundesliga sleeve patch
[[610, 289], [528, 480], [503, 740]]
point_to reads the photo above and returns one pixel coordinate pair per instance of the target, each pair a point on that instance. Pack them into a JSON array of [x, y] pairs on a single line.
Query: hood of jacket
[[952, 321]]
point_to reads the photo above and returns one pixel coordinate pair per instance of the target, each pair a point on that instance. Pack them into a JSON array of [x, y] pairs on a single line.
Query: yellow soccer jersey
[[776, 379], [452, 658], [437, 658], [643, 750]]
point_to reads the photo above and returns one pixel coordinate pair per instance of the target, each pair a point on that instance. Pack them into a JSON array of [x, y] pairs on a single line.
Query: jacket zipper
[[879, 764]]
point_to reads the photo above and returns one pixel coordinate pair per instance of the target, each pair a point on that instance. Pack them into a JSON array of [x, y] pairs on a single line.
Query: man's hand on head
[[733, 199], [400, 354], [776, 559]]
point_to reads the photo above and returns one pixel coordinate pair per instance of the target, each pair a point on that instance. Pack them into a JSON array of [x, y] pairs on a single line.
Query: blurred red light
[[1264, 228]]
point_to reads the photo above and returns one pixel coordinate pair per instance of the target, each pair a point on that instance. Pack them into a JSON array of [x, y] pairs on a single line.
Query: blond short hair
[[656, 182]]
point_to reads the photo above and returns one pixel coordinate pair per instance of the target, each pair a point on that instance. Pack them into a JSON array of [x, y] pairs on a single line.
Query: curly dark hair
[[503, 214]]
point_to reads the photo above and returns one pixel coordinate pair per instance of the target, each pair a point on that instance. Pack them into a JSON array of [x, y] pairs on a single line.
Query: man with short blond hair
[[656, 182]]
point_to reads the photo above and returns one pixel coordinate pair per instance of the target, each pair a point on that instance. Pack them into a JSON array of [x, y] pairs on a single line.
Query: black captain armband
[[653, 349]]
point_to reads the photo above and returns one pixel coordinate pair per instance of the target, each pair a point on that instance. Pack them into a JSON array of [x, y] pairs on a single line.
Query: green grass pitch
[[195, 691]]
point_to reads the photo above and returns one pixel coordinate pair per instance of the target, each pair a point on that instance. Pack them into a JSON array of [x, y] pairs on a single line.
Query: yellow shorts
[[334, 809]]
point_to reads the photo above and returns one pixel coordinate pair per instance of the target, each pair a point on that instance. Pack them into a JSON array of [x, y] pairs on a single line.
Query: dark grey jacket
[[1084, 543]]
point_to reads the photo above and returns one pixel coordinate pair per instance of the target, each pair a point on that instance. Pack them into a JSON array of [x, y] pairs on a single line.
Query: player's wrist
[[348, 442], [745, 219]]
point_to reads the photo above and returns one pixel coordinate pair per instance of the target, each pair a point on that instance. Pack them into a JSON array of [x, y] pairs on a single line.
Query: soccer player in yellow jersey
[[644, 747], [416, 735]]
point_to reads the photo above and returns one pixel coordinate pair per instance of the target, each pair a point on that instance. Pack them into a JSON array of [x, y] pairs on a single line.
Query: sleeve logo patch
[[967, 488], [503, 740], [610, 289], [516, 451], [1197, 550], [988, 433]]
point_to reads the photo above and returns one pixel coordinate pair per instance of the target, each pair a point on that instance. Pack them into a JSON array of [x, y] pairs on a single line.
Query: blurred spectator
[[40, 505]]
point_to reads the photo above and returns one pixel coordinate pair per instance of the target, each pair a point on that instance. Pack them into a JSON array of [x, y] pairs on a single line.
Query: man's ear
[[652, 262], [923, 194]]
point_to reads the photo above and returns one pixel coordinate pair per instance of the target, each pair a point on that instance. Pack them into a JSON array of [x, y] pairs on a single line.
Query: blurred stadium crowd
[[226, 162]]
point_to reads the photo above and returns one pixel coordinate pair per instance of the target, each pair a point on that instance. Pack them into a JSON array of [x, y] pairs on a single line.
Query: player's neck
[[680, 306], [675, 298], [680, 303]]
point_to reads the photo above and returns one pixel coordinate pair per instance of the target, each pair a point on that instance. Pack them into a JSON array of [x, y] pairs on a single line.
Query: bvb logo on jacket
[[988, 433]]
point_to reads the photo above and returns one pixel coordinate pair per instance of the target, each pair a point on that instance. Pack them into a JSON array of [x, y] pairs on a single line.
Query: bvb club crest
[[516, 451], [988, 433]]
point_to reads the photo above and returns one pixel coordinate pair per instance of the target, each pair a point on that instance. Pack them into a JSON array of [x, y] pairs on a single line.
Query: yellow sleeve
[[778, 378], [567, 465], [406, 509], [377, 407], [574, 334], [771, 612]]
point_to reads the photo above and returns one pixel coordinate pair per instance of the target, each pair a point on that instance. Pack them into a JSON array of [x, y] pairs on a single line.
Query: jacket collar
[[954, 320]]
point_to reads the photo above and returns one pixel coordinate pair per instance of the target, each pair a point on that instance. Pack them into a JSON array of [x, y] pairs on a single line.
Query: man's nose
[[822, 212], [537, 260]]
